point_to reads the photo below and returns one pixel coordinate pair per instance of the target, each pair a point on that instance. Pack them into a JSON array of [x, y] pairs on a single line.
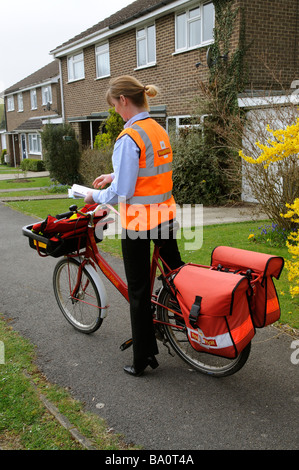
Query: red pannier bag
[[216, 309], [264, 300]]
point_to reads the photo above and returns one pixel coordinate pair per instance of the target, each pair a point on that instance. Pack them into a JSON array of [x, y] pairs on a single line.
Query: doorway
[[24, 146]]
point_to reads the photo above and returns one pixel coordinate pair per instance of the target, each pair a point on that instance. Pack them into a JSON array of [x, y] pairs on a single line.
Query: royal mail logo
[[164, 152], [199, 337], [209, 342], [194, 335]]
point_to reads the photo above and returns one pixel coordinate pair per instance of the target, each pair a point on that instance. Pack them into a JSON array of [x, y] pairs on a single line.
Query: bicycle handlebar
[[91, 213], [74, 210]]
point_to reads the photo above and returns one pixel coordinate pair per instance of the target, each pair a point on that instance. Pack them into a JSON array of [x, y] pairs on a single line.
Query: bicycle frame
[[91, 254]]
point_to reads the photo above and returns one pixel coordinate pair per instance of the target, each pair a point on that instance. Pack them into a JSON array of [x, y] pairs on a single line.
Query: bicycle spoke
[[80, 305]]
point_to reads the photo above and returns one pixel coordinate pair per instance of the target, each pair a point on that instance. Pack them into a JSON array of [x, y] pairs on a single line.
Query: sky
[[30, 29]]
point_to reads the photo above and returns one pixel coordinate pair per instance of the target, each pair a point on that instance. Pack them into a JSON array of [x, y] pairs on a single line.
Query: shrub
[[98, 161], [4, 152], [31, 164], [198, 176], [293, 247], [61, 152], [271, 168], [95, 162], [109, 130]]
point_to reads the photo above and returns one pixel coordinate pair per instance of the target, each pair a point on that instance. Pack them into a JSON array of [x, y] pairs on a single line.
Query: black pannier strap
[[195, 311]]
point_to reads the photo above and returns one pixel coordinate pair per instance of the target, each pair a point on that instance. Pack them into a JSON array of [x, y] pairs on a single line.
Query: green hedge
[[30, 164]]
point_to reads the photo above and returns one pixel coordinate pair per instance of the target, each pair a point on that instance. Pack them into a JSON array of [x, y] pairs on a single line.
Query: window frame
[[71, 61], [20, 102], [180, 124], [188, 22], [33, 99], [10, 103], [44, 95], [98, 54], [148, 63], [35, 144]]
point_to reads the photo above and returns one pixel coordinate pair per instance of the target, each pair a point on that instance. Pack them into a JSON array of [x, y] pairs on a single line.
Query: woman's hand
[[88, 198], [102, 180]]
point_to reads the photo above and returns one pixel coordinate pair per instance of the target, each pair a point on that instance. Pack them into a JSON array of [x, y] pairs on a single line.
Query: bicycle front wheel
[[77, 296], [176, 333]]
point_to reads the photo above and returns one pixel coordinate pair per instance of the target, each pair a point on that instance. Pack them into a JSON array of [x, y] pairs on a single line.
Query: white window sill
[[200, 46], [76, 80], [146, 66], [101, 78]]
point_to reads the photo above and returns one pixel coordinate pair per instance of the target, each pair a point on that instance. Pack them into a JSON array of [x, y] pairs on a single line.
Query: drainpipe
[[61, 92], [91, 134], [14, 150]]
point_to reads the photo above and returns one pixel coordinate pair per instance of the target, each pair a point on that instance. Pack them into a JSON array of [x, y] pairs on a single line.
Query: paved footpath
[[171, 408]]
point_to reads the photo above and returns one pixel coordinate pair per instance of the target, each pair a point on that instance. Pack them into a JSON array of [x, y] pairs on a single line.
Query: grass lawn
[[235, 235], [26, 423], [19, 183], [5, 169]]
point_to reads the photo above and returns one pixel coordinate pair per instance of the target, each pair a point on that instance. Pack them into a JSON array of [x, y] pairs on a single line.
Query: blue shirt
[[125, 161]]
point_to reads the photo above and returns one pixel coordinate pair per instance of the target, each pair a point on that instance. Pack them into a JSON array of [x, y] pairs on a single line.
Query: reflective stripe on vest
[[156, 199]]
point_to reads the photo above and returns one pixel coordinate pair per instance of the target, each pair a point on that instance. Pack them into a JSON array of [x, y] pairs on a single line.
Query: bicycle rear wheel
[[82, 307], [203, 362]]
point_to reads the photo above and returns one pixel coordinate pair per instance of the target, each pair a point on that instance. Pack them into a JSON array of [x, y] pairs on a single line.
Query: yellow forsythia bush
[[285, 145], [293, 247]]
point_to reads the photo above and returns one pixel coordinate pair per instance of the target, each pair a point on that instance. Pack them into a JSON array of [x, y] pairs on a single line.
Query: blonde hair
[[131, 88]]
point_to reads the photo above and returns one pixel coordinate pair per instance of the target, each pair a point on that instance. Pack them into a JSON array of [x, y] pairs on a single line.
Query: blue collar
[[137, 117]]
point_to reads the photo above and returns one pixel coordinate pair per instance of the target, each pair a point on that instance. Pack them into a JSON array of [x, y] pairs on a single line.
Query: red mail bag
[[59, 236], [216, 309], [264, 300]]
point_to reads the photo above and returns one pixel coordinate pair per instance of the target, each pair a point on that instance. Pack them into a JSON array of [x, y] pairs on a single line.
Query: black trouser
[[136, 255]]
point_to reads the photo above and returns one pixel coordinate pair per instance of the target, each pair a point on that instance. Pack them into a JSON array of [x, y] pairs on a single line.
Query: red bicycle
[[82, 297]]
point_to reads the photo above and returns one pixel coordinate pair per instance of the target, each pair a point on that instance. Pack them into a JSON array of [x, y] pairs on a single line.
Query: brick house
[[160, 42], [139, 40], [29, 104]]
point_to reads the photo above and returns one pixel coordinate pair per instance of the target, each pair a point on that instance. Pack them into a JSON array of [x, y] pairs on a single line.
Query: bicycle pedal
[[126, 344]]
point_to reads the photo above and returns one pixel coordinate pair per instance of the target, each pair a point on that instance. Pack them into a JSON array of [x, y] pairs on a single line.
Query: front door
[[24, 146]]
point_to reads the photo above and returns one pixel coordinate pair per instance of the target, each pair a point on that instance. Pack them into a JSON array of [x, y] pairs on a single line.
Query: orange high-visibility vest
[[152, 202]]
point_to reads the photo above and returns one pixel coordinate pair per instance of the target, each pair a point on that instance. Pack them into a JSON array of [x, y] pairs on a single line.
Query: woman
[[142, 184]]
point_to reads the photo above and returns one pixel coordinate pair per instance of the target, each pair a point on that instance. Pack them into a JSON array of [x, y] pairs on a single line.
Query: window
[[20, 102], [33, 99], [75, 65], [146, 46], [178, 124], [46, 94], [35, 144], [10, 103], [102, 60], [208, 15], [194, 27]]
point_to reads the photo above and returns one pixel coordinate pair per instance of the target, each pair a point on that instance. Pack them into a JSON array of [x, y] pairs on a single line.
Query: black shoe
[[151, 361]]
